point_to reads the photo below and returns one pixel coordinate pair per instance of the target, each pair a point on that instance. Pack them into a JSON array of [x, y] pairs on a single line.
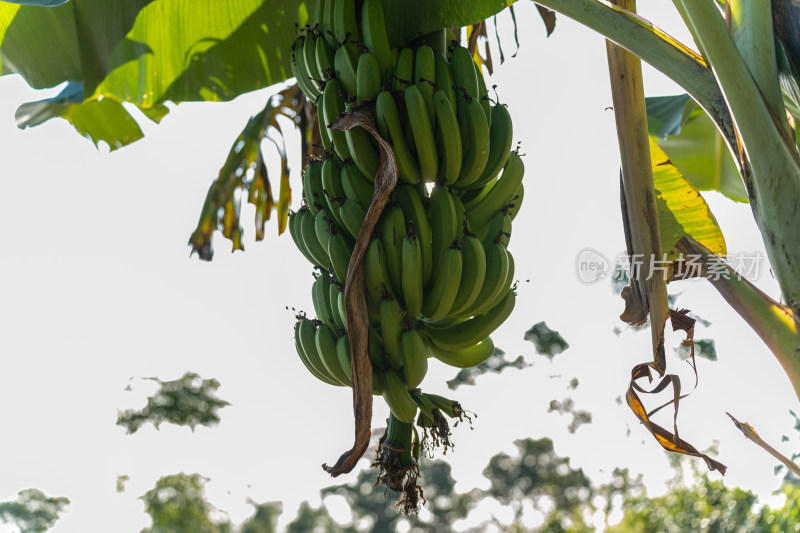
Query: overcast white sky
[[97, 286]]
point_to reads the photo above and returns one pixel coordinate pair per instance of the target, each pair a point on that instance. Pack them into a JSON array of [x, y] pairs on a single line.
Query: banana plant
[[742, 77]]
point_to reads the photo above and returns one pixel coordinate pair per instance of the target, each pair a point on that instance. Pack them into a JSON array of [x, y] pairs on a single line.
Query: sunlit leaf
[[694, 145], [101, 120], [681, 210]]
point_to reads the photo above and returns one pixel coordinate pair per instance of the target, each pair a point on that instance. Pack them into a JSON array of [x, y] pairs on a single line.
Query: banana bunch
[[438, 272]]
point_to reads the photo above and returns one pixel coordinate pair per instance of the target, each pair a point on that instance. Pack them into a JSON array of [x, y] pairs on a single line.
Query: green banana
[[443, 223], [356, 186], [339, 320], [307, 332], [392, 228], [497, 262], [373, 29], [473, 273], [323, 227], [462, 227], [400, 402], [449, 407], [466, 357], [466, 89], [327, 24], [464, 334], [368, 77], [483, 95], [516, 201], [478, 152], [307, 362], [332, 188], [412, 272], [312, 187], [333, 106], [403, 70], [320, 296], [325, 340], [470, 197], [343, 357], [444, 80], [309, 235], [340, 248], [345, 23], [448, 138], [294, 231], [361, 150], [324, 59], [352, 216], [318, 14], [462, 68], [500, 194], [415, 358], [345, 64], [425, 77], [422, 131], [376, 273], [342, 311], [509, 283], [501, 135], [410, 202], [324, 132], [310, 58], [391, 129], [298, 69], [392, 323], [427, 418], [375, 349], [497, 230], [439, 299]]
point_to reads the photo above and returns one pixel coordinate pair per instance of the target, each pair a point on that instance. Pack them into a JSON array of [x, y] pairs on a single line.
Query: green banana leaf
[[690, 139], [99, 119], [148, 52], [682, 211]]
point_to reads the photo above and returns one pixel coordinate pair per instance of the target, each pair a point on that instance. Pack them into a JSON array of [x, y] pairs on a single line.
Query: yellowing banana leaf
[[681, 210], [693, 144]]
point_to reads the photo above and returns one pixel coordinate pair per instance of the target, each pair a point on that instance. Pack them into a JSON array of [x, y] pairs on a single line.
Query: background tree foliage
[[32, 511]]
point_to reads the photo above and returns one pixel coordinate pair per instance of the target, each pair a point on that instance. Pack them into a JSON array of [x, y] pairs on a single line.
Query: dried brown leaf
[[355, 292]]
